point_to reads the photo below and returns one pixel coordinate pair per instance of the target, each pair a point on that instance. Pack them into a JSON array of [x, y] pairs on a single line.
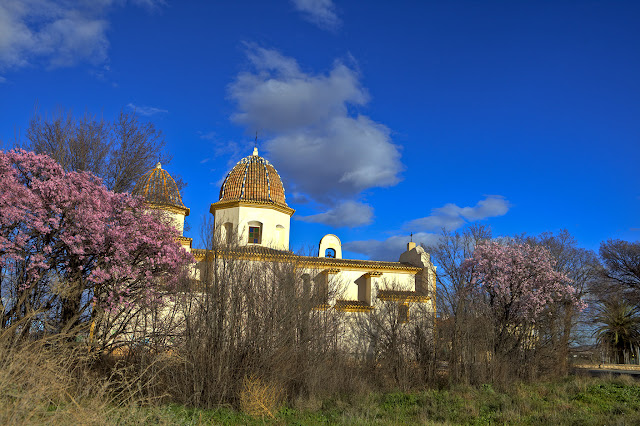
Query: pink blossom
[[519, 280], [68, 226]]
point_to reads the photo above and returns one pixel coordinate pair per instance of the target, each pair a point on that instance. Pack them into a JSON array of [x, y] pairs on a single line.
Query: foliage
[[67, 242], [562, 323], [571, 401], [619, 328]]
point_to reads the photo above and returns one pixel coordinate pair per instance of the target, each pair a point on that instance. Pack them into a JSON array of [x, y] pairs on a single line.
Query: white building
[[253, 216]]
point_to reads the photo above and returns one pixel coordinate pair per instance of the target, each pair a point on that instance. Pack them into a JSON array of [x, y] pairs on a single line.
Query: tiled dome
[[253, 179], [158, 187]]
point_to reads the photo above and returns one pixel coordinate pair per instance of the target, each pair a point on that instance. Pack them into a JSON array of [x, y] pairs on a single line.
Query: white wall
[[344, 282], [240, 217]]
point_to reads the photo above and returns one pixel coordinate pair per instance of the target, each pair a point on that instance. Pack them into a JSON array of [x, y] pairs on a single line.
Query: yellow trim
[[248, 203], [323, 307], [172, 209], [352, 306], [185, 241], [362, 309], [317, 263]]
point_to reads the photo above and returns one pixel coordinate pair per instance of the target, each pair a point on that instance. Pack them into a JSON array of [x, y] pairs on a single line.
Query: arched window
[[228, 232], [280, 236], [330, 253], [306, 286]]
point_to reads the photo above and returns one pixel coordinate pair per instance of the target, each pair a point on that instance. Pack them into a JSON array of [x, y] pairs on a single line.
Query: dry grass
[[627, 367], [53, 380], [260, 399]]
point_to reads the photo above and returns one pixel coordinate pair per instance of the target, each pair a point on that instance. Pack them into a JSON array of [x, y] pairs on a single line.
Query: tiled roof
[[268, 254], [253, 179], [352, 306], [158, 187]]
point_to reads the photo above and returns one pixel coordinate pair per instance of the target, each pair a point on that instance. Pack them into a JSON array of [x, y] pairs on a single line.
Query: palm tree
[[619, 329]]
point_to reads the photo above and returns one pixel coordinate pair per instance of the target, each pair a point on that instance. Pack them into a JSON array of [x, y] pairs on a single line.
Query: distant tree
[[621, 273], [449, 254], [582, 267], [519, 283], [67, 243], [618, 328], [119, 152]]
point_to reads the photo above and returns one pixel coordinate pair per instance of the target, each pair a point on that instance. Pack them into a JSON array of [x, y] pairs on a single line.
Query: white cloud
[[322, 149], [451, 217], [57, 33], [146, 111], [320, 12], [346, 214], [391, 248]]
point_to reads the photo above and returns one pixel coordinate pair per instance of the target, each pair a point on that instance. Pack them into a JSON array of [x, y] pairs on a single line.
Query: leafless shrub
[[259, 399]]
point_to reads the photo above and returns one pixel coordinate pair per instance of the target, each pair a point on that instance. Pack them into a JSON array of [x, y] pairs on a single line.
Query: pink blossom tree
[[67, 243], [519, 284]]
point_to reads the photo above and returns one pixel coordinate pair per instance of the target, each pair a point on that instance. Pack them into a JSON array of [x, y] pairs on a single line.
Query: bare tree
[[119, 152], [621, 272], [463, 327]]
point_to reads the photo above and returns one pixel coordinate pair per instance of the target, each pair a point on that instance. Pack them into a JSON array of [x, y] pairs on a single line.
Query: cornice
[[352, 306], [172, 209], [185, 241], [249, 203], [306, 262]]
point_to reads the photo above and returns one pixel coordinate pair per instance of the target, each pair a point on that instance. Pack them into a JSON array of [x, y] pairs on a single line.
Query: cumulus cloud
[[319, 12], [147, 111], [322, 149], [451, 217], [58, 33], [391, 248], [346, 214]]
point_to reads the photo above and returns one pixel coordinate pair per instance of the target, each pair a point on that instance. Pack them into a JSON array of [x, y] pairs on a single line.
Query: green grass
[[570, 401]]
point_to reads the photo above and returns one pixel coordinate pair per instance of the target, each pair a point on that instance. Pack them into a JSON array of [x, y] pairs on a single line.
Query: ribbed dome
[[253, 179], [158, 187]]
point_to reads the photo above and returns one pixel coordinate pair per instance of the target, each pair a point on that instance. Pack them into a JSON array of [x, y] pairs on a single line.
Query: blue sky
[[383, 118]]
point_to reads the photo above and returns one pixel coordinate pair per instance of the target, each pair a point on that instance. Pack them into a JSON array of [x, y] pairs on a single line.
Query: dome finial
[[158, 166], [255, 146]]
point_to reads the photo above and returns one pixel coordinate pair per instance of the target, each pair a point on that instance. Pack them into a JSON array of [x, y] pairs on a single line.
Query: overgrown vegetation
[[43, 382], [98, 324]]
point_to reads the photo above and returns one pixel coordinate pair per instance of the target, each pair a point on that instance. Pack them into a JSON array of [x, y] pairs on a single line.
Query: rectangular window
[[403, 313], [254, 234]]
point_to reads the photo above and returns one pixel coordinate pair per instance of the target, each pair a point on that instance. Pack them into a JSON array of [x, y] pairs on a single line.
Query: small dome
[[253, 179], [158, 187]]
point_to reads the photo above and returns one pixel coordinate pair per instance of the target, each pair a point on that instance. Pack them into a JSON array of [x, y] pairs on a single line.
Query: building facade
[[252, 222]]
